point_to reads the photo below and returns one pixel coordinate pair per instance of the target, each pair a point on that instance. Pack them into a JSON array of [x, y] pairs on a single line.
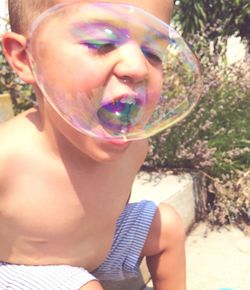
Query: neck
[[66, 143]]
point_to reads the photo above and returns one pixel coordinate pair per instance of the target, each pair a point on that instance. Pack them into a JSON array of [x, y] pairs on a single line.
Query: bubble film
[[113, 71]]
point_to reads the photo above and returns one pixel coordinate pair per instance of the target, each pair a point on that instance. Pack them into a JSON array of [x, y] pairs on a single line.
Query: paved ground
[[217, 260]]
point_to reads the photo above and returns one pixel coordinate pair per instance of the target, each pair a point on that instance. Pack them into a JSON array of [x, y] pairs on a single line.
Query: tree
[[227, 17]]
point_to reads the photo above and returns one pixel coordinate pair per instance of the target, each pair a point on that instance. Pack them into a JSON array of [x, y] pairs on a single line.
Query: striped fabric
[[131, 232], [122, 262], [59, 277]]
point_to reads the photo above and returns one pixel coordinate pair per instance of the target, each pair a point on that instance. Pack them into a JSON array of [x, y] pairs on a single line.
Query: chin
[[108, 151], [86, 146], [102, 151]]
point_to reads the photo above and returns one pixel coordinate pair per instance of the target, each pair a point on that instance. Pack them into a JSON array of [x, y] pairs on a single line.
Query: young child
[[65, 219]]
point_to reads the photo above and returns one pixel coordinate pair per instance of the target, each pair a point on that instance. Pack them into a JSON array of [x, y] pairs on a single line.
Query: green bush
[[214, 139]]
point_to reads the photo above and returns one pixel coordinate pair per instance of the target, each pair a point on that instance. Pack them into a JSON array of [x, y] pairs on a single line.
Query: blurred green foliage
[[232, 17], [214, 139]]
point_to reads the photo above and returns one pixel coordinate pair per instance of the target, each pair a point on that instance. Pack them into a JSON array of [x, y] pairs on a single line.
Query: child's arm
[[165, 250]]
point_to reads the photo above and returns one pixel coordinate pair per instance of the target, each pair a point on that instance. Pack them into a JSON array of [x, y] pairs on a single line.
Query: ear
[[14, 48]]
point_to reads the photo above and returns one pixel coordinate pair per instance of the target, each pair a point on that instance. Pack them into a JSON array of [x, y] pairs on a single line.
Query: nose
[[132, 66]]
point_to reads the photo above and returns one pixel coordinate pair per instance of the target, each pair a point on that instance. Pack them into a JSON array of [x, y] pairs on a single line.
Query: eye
[[153, 57], [100, 47]]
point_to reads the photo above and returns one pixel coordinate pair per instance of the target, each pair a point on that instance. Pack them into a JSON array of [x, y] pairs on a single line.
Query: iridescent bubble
[[120, 115], [113, 71]]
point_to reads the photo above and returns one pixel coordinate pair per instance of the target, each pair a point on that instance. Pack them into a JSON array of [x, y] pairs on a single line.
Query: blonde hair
[[22, 12]]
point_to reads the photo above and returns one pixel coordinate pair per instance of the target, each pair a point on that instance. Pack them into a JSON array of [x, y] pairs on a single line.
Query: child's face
[[69, 65], [112, 70]]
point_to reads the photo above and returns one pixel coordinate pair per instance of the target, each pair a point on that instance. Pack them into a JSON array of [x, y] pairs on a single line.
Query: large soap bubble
[[113, 71]]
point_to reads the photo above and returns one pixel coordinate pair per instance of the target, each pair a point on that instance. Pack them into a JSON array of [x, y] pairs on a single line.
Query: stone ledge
[[6, 110]]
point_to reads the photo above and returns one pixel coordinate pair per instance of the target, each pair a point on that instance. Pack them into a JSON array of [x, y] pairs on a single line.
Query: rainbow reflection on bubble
[[113, 71]]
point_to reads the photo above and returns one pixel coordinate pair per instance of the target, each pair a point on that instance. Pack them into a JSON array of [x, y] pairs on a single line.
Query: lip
[[121, 97], [118, 92], [118, 142], [129, 98]]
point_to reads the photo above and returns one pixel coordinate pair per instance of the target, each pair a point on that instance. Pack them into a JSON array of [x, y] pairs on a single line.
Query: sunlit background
[[3, 14]]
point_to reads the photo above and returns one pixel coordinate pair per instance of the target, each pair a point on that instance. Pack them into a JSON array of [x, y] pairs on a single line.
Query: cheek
[[71, 69], [155, 83]]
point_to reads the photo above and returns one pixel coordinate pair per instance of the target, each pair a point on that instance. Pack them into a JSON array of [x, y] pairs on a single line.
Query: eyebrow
[[117, 32], [102, 25]]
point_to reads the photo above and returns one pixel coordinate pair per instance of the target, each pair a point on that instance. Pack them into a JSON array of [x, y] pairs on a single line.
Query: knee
[[92, 285], [167, 231], [172, 229]]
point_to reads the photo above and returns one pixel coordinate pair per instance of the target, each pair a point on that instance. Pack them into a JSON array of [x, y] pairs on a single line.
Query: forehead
[[159, 8], [99, 18]]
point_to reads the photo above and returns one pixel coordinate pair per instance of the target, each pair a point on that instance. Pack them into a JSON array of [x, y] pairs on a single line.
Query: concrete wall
[[6, 110]]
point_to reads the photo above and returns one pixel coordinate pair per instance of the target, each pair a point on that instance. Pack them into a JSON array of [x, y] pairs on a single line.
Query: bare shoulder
[[16, 138], [17, 129]]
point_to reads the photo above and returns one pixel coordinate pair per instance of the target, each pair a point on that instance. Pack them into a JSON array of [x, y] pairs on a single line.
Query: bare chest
[[59, 218], [56, 204]]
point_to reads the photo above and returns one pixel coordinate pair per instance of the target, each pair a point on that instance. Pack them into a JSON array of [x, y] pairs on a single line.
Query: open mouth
[[121, 114]]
